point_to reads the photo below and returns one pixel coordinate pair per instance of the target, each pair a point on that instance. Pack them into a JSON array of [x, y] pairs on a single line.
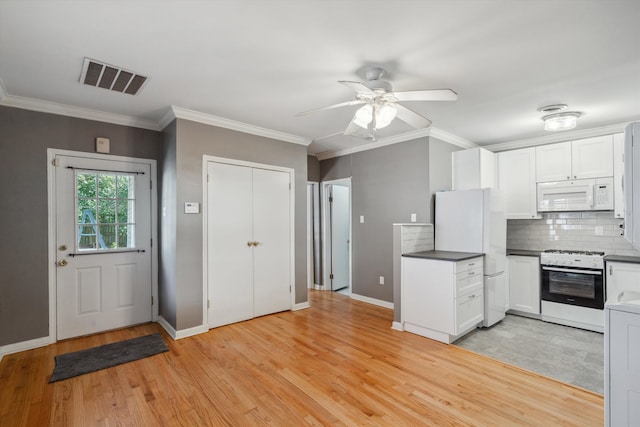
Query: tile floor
[[568, 354]]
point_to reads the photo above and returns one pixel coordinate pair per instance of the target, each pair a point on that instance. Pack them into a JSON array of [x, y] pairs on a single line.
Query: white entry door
[[249, 242], [103, 244]]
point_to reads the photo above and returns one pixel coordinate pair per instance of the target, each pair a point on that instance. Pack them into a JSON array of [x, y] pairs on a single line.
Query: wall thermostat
[[192, 207], [102, 145]]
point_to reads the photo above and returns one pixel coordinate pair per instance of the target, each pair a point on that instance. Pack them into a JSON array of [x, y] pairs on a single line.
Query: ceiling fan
[[380, 105]]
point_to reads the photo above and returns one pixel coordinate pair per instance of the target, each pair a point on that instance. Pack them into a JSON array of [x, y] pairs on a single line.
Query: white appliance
[[474, 221], [573, 288], [595, 194], [631, 184]]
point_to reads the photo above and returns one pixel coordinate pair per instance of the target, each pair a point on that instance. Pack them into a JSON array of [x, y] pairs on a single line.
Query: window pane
[[86, 211], [86, 238], [108, 234], [125, 186], [125, 236], [125, 211], [106, 186], [86, 184], [106, 211]]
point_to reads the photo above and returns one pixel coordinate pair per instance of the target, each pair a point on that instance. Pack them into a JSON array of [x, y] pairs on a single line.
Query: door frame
[[205, 227], [326, 236], [52, 221]]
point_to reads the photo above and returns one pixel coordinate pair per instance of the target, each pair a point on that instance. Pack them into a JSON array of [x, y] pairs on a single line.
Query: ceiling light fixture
[[554, 120], [383, 115]]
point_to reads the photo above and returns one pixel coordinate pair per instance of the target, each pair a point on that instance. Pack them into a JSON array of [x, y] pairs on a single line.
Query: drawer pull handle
[[472, 296], [471, 273], [472, 264]]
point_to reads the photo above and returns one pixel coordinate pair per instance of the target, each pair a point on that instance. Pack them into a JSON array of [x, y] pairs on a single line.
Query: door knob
[[249, 243], [256, 243], [62, 262]]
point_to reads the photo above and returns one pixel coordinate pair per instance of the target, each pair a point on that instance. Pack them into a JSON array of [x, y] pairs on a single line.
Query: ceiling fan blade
[[411, 117], [426, 95], [358, 87], [342, 104]]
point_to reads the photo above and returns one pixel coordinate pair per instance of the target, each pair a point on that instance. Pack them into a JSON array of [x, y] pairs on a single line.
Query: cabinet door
[[618, 175], [592, 157], [469, 311], [622, 276], [517, 180], [524, 284], [553, 162]]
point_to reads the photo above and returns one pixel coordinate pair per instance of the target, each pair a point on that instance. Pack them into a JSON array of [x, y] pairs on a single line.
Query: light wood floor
[[337, 363]]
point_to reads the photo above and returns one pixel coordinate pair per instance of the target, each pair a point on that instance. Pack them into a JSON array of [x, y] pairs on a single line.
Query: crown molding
[[208, 119], [557, 137], [71, 111], [395, 139]]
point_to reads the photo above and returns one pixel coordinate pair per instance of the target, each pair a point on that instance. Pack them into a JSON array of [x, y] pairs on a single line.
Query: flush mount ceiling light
[[555, 120]]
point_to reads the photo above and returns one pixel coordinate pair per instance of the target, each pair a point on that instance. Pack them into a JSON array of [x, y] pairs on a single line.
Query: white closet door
[[229, 216], [271, 213]]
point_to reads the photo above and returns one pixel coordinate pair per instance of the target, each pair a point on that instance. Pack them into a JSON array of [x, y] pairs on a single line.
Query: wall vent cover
[[99, 74]]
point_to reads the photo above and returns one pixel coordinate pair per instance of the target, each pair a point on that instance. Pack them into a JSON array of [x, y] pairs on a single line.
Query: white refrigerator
[[474, 221]]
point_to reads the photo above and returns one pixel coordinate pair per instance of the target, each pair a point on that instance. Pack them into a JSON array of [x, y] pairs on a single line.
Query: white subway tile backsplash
[[570, 230]]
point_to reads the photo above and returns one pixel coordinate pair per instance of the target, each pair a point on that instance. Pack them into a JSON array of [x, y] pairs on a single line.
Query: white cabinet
[[622, 365], [622, 276], [524, 284], [618, 175], [442, 299], [517, 180], [474, 168], [585, 158]]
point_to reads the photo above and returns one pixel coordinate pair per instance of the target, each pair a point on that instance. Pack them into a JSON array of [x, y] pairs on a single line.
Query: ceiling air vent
[[99, 74]]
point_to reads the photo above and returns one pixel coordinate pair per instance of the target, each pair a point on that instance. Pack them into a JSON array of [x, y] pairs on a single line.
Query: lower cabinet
[[524, 284], [442, 300]]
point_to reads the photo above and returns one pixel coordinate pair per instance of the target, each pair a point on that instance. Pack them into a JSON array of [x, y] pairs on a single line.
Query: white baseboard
[[301, 306], [24, 346], [397, 326], [378, 302], [183, 333]]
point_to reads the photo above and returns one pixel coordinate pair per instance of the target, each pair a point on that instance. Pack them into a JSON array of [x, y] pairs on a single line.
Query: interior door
[[340, 223], [271, 235], [230, 243], [103, 241]]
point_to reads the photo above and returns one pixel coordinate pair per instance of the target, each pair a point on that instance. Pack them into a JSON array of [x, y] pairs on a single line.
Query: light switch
[[414, 217], [361, 219]]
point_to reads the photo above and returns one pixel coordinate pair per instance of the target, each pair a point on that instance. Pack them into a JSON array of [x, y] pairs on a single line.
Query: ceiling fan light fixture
[[561, 121], [363, 116], [385, 115]]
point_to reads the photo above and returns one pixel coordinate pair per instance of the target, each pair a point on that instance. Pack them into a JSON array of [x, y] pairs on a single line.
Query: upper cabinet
[[517, 180], [474, 168], [585, 158]]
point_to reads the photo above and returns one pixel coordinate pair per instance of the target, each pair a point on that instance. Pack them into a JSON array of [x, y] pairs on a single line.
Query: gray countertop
[[623, 258], [522, 252], [443, 255]]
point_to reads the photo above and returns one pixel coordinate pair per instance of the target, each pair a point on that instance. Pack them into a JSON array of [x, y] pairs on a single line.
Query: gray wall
[[313, 169], [24, 139], [192, 141], [388, 185]]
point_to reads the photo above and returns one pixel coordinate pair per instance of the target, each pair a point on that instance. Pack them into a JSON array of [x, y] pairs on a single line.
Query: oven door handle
[[572, 270]]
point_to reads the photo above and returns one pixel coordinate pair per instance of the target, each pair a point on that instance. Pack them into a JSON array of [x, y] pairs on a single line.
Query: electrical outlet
[[382, 280], [414, 217]]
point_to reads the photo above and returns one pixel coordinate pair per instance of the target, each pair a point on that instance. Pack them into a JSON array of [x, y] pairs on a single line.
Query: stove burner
[[574, 252]]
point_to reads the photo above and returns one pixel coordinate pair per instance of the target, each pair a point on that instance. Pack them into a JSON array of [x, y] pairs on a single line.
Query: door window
[[105, 210]]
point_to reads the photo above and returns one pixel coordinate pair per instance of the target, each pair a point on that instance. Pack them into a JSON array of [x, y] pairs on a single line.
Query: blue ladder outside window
[[87, 218]]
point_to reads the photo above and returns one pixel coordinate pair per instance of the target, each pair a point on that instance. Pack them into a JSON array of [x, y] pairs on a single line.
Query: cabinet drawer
[[469, 264], [469, 310], [468, 281]]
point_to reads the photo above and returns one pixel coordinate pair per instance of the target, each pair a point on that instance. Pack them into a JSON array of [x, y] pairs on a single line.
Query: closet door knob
[[249, 243], [256, 243]]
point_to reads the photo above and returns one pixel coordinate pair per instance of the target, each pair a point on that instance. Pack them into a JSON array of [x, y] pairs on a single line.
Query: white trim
[[51, 234], [24, 346], [374, 301], [397, 326], [557, 137], [71, 111], [3, 92], [183, 333], [208, 119], [301, 306], [408, 136], [205, 228]]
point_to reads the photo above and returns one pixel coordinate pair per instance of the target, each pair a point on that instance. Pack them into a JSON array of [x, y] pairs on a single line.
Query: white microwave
[[577, 195]]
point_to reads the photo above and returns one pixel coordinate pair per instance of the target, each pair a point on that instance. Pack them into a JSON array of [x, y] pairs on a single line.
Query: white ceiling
[[260, 62]]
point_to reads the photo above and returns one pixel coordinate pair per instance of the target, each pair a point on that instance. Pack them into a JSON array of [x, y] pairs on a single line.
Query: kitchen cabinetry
[[524, 284], [618, 175], [442, 299], [622, 276], [585, 158], [474, 168], [517, 180]]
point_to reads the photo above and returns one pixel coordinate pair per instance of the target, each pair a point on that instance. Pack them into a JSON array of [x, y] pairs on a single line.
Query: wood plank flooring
[[336, 363]]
